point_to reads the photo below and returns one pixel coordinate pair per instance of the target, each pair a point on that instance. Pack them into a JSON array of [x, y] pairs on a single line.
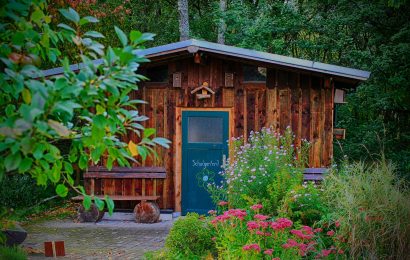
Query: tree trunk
[[222, 24], [90, 215], [183, 20], [147, 212]]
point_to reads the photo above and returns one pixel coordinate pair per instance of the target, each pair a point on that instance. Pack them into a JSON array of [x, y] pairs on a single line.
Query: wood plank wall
[[293, 99]]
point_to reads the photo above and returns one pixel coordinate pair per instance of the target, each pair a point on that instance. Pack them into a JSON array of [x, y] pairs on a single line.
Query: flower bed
[[266, 212]]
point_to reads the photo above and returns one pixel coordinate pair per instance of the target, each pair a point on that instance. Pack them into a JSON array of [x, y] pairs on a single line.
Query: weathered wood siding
[[293, 99]]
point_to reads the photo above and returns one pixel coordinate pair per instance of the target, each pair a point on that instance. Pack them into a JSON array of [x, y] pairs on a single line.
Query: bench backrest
[[126, 173]]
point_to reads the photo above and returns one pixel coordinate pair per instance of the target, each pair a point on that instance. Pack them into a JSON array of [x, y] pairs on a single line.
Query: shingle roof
[[245, 54]]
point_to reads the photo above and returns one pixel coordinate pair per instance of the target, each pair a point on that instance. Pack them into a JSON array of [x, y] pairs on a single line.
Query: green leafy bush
[[262, 169], [89, 109], [189, 238], [21, 191], [373, 207], [304, 204], [12, 253]]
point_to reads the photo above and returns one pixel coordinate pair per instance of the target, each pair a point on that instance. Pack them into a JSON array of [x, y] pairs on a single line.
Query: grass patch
[[373, 207], [12, 253]]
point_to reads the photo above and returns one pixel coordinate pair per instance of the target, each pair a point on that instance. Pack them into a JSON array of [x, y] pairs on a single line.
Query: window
[[254, 74], [205, 130], [158, 74]]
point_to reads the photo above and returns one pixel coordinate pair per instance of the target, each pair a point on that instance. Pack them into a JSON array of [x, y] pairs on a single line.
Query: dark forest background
[[368, 35]]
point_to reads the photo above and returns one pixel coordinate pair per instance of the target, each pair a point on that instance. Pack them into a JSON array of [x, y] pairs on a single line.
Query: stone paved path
[[112, 238]]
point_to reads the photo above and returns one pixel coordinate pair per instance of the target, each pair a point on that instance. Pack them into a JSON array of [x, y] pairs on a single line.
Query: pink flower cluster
[[281, 223], [268, 251], [256, 206], [232, 213], [305, 233], [254, 247], [303, 247], [261, 217], [222, 203], [302, 239]]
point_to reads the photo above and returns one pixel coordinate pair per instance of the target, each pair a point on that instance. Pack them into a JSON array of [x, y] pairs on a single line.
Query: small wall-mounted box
[[177, 79], [229, 80], [339, 133], [340, 96]]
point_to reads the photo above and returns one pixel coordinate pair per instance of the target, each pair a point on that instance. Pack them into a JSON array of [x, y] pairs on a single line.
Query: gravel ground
[[116, 237]]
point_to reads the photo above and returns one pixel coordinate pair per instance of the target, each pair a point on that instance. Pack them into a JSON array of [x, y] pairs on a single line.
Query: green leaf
[[25, 165], [93, 34], [36, 16], [88, 19], [109, 163], [99, 203], [12, 161], [66, 27], [121, 36], [54, 175], [70, 180], [83, 162], [99, 121], [87, 202], [96, 154], [148, 132], [134, 35], [162, 141], [42, 179], [62, 190], [70, 14], [110, 204], [68, 168], [143, 152], [26, 96], [100, 110]]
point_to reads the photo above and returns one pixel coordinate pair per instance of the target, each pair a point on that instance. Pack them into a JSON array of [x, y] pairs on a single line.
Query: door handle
[[223, 161]]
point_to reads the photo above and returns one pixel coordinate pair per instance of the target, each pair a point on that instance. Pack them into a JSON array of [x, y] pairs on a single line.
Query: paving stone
[[113, 238]]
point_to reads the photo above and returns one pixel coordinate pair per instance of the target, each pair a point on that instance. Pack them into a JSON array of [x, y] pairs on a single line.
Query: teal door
[[204, 147]]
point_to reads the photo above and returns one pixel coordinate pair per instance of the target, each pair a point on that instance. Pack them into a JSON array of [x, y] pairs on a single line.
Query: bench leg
[[147, 212]]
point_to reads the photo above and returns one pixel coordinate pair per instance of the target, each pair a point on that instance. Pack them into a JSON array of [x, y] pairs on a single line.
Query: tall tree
[[183, 20], [222, 24]]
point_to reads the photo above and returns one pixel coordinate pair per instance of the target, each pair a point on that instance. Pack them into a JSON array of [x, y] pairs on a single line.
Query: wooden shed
[[201, 94]]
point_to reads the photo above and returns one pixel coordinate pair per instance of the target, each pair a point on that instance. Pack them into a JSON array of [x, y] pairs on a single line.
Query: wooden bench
[[95, 173], [314, 174]]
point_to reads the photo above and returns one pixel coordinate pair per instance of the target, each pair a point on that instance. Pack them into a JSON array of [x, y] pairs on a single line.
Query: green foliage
[[21, 191], [89, 110], [15, 253], [284, 181], [304, 204], [263, 169], [189, 238], [373, 207]]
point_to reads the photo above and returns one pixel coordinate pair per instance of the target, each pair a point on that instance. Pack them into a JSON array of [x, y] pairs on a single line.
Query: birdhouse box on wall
[[203, 91], [228, 80], [177, 79], [340, 96], [339, 133]]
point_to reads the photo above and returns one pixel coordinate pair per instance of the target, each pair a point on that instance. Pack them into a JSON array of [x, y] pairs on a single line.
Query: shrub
[[262, 169], [373, 206], [21, 191], [189, 238], [304, 204], [14, 253]]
